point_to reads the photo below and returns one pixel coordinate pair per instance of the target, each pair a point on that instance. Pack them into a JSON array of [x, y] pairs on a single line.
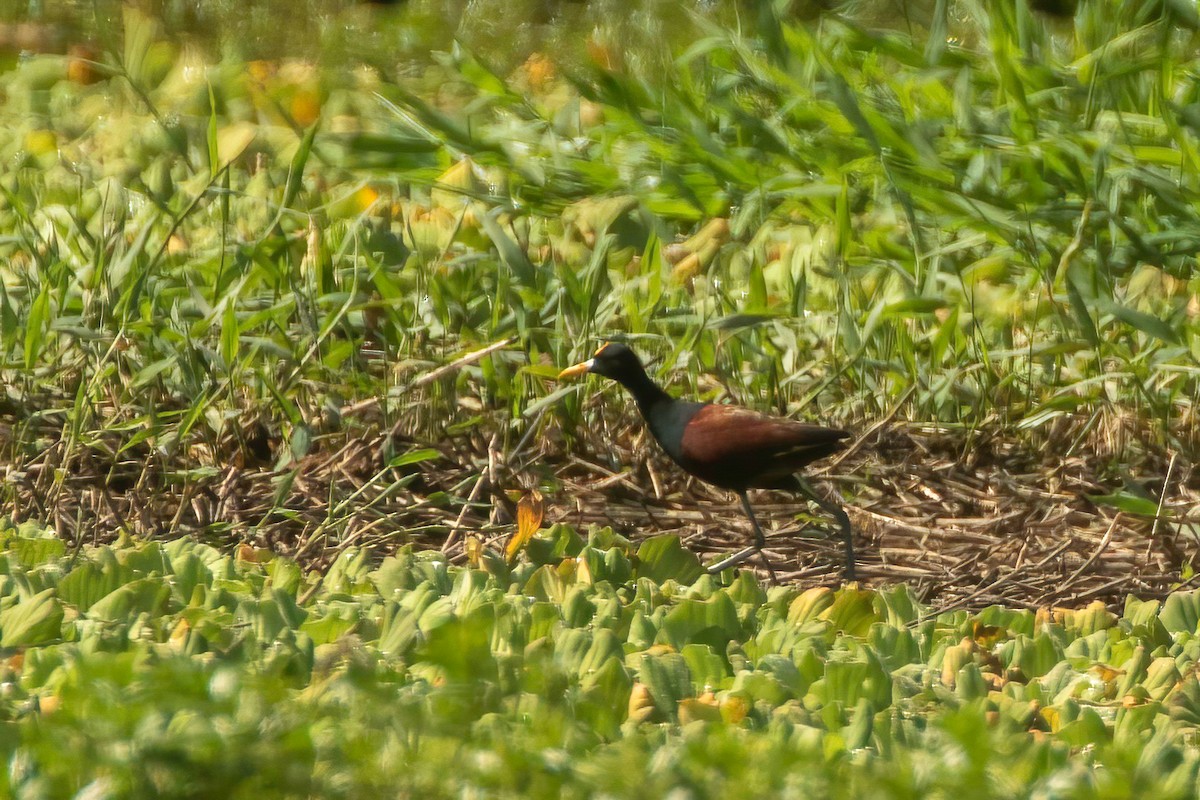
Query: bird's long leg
[[840, 515], [760, 541], [742, 556]]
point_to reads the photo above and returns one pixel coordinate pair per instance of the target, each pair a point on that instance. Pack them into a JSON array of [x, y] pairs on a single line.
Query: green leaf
[[510, 252], [708, 670], [285, 574], [461, 647], [230, 335], [414, 457], [848, 682], [664, 557], [713, 622], [32, 552], [915, 305], [668, 678], [857, 734], [853, 612], [1087, 730], [35, 621], [328, 628], [399, 631], [146, 595], [1181, 612], [35, 325], [1082, 310], [189, 572], [1147, 324], [88, 583], [1127, 502], [605, 646], [301, 441], [350, 572], [784, 670], [605, 697]]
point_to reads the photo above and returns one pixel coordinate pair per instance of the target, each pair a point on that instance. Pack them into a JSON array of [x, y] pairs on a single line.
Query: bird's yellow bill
[[577, 370]]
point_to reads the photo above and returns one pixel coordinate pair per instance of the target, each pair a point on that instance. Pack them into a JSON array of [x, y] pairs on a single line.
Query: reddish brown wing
[[738, 448]]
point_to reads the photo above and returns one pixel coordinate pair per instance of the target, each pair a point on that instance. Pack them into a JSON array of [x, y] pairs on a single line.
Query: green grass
[[997, 232], [180, 671]]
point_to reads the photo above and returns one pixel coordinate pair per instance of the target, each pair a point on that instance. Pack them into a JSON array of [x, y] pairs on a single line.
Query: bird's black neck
[[646, 392]]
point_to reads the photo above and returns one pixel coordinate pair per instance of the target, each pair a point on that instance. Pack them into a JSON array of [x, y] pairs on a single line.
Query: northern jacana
[[726, 445]]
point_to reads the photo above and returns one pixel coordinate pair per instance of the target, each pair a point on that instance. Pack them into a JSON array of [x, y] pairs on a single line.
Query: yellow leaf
[[986, 635], [529, 519], [232, 141], [1052, 718], [641, 704], [41, 142], [734, 708], [716, 231], [365, 197], [583, 573], [306, 107], [254, 555], [956, 657], [693, 709], [179, 634], [810, 604], [474, 548], [696, 262]]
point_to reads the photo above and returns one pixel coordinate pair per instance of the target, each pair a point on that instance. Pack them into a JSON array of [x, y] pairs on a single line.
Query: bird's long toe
[[737, 559]]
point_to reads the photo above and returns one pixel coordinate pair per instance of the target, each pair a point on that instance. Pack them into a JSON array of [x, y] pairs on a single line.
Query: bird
[[728, 446]]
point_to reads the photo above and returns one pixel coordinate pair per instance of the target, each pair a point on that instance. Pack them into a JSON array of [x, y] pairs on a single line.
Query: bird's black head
[[613, 360]]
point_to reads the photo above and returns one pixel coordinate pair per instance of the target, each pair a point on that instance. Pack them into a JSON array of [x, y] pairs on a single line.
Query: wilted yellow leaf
[[306, 107], [734, 708], [177, 244], [696, 262], [540, 71], [1052, 718], [566, 569], [590, 114], [261, 71], [529, 519], [41, 142], [986, 635], [81, 66], [232, 141], [583, 573], [365, 197], [179, 634], [457, 185], [956, 657], [715, 232], [1106, 673], [692, 709], [810, 604], [641, 704], [474, 548]]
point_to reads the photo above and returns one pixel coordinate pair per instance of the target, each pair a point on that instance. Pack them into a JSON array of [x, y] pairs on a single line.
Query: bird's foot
[[738, 558]]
